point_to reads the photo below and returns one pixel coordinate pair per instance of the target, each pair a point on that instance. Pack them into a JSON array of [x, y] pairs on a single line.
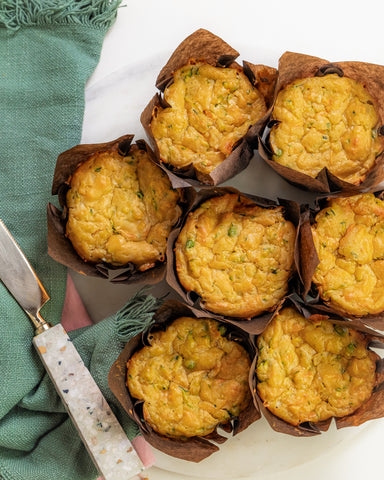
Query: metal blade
[[19, 277], [103, 436]]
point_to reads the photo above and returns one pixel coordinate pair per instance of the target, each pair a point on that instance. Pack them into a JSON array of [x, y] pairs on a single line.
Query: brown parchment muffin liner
[[193, 449], [59, 246], [253, 325], [306, 260], [294, 66], [373, 408], [203, 45]]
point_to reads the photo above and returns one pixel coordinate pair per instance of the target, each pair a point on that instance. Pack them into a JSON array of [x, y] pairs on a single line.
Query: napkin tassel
[[136, 315], [17, 13]]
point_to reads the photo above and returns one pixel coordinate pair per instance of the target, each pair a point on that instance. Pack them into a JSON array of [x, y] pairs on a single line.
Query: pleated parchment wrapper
[[253, 325], [370, 410], [203, 45], [294, 66], [307, 261], [196, 448], [59, 246]]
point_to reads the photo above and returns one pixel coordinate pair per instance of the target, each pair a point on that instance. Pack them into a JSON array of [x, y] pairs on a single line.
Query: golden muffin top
[[236, 255], [327, 121], [308, 372], [211, 108], [349, 239], [191, 378], [121, 209]]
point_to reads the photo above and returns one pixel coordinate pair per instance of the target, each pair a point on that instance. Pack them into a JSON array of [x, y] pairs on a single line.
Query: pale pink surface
[[74, 315], [144, 450]]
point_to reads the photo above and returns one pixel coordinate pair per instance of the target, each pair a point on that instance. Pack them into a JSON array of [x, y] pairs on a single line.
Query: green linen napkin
[[48, 50], [38, 440]]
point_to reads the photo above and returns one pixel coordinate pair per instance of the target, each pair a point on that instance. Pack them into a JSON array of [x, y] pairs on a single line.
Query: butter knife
[[99, 429]]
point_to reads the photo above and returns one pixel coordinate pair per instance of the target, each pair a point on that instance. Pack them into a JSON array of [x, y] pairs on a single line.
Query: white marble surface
[[140, 42]]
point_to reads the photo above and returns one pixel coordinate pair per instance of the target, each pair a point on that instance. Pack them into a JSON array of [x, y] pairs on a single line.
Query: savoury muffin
[[210, 110], [311, 371], [348, 235], [121, 209], [191, 378], [327, 121], [236, 255]]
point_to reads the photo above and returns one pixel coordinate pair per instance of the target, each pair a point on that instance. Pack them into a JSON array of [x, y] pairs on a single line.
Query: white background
[[138, 45]]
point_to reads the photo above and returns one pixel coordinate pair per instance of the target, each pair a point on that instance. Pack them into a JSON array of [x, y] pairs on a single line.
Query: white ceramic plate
[[114, 103]]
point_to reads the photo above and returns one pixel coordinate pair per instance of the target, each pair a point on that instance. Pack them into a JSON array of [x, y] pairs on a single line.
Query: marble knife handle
[[103, 436]]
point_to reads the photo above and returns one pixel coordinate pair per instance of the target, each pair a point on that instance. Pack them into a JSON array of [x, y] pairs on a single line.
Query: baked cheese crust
[[191, 378], [327, 121], [309, 372], [236, 255], [211, 108], [121, 209], [349, 239]]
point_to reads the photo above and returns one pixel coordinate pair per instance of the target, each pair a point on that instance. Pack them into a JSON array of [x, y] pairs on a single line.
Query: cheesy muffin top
[[327, 121], [309, 372], [211, 108], [236, 255], [121, 209], [349, 239], [191, 378]]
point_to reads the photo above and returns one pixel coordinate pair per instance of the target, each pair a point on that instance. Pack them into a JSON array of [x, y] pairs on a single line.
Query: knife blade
[[98, 427]]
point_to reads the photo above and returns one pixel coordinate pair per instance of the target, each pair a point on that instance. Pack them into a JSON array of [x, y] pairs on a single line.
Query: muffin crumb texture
[[327, 121], [121, 209], [236, 255], [349, 239], [309, 372], [211, 108], [191, 378]]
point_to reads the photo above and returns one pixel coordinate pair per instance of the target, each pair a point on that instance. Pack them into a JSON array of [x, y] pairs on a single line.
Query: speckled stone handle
[[98, 427]]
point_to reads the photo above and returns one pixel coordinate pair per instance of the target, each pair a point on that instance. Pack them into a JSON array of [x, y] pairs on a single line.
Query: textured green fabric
[[48, 50], [38, 440]]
